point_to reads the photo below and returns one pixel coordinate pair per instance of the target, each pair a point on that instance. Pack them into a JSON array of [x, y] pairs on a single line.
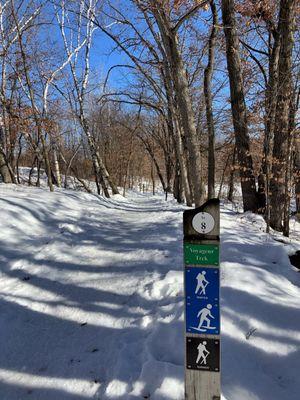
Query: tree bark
[[270, 110], [297, 172], [182, 162], [208, 72], [4, 171], [178, 186], [179, 77], [231, 177], [238, 107], [57, 167], [282, 118], [175, 130]]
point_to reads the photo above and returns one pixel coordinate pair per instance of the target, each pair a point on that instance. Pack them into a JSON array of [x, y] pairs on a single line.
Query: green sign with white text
[[201, 254]]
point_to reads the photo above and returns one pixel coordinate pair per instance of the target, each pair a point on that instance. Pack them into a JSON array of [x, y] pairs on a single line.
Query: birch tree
[[83, 16], [11, 26]]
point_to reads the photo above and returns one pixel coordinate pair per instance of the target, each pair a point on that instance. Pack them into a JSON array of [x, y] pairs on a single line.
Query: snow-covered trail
[[91, 296], [91, 301]]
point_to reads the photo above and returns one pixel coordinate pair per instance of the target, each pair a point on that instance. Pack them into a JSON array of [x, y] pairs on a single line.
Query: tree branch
[[189, 14]]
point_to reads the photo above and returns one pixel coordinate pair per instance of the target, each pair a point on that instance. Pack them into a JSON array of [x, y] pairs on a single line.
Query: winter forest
[[116, 116]]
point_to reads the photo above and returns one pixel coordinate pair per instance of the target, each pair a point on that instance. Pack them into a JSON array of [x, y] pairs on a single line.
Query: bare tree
[[282, 133], [208, 101], [238, 106], [84, 16]]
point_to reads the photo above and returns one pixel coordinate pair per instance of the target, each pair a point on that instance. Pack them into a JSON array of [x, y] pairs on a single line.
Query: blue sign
[[202, 300]]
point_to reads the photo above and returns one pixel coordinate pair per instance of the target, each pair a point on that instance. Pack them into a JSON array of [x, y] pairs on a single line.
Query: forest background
[[200, 95]]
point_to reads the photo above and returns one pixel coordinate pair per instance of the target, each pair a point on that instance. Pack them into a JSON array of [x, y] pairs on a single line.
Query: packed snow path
[[91, 301]]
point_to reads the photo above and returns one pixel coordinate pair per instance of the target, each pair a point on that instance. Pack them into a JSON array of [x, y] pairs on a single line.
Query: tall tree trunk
[[282, 117], [175, 131], [181, 88], [296, 158], [290, 166], [238, 107], [297, 172], [270, 110], [208, 102]]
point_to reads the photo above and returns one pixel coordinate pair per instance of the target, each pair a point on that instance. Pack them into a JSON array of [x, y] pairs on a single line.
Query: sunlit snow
[[91, 300]]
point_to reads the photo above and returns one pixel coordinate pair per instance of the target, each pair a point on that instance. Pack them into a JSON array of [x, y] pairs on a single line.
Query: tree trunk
[[127, 168], [175, 130], [297, 172], [179, 77], [188, 124], [101, 173], [182, 163], [238, 107], [208, 102], [46, 160], [18, 158], [231, 178], [159, 173], [270, 110], [57, 167], [4, 170], [294, 103], [223, 176], [282, 117], [178, 186], [39, 166], [153, 180]]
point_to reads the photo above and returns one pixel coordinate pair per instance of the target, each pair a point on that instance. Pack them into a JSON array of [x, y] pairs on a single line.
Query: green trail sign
[[201, 254]]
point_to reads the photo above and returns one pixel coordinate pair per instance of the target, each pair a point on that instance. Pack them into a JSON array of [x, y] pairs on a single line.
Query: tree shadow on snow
[[49, 346]]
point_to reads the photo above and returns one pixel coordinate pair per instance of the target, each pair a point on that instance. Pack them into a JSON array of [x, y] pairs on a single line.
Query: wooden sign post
[[201, 228]]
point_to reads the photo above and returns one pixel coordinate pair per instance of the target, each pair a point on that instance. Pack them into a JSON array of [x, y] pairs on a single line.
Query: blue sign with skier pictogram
[[202, 300]]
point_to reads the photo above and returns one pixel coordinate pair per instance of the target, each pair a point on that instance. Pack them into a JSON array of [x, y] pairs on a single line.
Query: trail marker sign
[[192, 222], [203, 354], [203, 222], [201, 254], [201, 228], [202, 300]]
